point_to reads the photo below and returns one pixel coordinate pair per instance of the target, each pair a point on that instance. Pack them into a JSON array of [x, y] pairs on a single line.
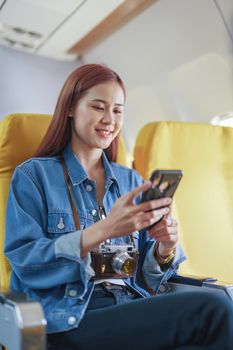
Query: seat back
[[203, 203], [20, 136]]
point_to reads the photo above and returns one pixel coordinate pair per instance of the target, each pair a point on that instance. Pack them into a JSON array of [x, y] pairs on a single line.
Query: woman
[[71, 208]]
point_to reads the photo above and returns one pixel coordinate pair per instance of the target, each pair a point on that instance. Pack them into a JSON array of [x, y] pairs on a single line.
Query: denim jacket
[[43, 245]]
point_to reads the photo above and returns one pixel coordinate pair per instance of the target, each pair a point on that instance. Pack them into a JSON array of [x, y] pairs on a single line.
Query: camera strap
[[68, 185]]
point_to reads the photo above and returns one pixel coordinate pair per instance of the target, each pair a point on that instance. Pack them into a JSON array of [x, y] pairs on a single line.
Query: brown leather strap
[[68, 185]]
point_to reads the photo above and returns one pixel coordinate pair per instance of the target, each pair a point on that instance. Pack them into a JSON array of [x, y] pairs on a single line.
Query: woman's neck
[[91, 160]]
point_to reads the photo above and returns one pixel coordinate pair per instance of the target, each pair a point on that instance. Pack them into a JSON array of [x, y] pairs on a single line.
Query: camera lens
[[123, 263]]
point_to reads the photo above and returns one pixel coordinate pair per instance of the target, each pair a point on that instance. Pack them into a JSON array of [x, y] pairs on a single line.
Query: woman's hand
[[166, 234], [126, 217]]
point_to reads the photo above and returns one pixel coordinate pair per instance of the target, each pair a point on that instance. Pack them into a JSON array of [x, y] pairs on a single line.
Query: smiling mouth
[[104, 133]]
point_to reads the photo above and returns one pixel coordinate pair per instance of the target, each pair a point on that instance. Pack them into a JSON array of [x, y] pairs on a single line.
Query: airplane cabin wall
[[176, 61], [29, 83], [175, 58]]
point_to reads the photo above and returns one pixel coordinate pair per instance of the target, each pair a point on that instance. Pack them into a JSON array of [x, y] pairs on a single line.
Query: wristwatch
[[160, 259]]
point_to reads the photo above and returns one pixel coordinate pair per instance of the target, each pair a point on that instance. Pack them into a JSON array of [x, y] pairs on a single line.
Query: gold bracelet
[[160, 259]]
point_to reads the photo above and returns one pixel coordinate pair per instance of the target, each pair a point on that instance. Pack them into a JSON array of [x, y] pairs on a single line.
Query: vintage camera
[[114, 261]]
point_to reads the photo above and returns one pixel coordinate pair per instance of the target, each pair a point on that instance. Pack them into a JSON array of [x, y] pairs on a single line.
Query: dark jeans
[[185, 321]]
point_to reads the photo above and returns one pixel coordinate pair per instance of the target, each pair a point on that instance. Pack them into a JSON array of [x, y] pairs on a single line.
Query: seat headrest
[[20, 136]]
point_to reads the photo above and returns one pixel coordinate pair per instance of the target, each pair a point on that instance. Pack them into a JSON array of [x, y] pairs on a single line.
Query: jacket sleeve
[[39, 261], [153, 274]]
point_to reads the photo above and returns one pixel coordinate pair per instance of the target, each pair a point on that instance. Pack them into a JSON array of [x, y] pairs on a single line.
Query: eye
[[118, 111], [98, 108]]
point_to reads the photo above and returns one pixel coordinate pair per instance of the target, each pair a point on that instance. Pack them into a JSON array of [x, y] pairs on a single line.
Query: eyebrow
[[99, 100]]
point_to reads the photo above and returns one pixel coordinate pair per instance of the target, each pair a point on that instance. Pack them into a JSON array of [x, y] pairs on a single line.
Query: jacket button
[[94, 212], [61, 224], [88, 188], [71, 320], [162, 288], [73, 293]]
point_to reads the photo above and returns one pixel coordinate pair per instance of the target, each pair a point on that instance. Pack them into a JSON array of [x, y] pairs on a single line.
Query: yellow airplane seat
[[203, 203], [20, 136]]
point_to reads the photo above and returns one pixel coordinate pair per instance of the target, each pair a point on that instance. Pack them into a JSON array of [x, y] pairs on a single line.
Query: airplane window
[[224, 119]]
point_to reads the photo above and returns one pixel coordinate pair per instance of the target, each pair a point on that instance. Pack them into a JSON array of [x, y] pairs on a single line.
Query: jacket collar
[[77, 173]]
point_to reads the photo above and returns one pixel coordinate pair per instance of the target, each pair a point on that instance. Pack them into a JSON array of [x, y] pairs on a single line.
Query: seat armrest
[[179, 283], [22, 323], [191, 280]]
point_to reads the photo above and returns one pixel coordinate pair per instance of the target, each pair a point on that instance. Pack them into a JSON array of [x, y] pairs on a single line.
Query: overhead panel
[[49, 27], [25, 24], [79, 24]]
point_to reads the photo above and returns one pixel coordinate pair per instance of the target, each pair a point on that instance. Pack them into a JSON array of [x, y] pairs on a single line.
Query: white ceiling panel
[[51, 27], [33, 16], [59, 6], [80, 23]]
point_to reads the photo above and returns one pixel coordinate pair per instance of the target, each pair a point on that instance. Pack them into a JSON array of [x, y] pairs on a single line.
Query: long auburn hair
[[77, 84]]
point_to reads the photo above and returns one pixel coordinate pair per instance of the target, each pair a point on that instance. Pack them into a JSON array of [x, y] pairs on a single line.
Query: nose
[[108, 117]]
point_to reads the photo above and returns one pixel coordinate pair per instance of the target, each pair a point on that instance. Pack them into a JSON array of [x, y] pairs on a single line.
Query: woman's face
[[98, 116]]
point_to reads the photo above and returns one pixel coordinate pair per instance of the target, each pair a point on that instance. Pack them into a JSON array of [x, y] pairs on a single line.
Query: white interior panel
[[81, 22], [226, 10], [30, 15], [61, 6], [50, 27], [203, 88], [166, 36]]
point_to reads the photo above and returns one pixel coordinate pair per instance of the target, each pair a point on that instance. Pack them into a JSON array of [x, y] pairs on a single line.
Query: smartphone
[[164, 184]]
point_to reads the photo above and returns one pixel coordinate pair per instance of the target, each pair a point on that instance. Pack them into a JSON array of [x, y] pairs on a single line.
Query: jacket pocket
[[60, 223]]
